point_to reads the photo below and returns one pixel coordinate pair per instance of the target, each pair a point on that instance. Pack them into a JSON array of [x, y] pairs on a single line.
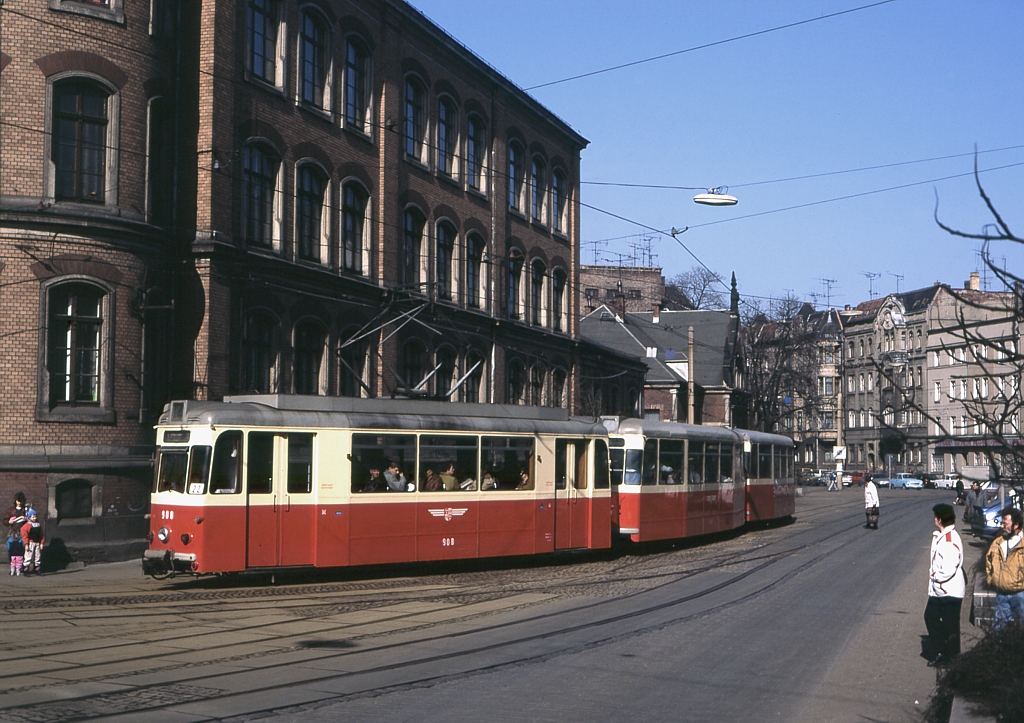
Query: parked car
[[947, 481], [880, 481], [987, 524], [905, 480], [857, 478]]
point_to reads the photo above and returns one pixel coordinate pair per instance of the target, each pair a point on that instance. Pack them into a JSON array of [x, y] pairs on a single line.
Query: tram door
[[572, 501], [281, 527]]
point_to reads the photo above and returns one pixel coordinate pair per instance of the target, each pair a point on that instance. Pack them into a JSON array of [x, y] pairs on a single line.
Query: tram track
[[761, 562]]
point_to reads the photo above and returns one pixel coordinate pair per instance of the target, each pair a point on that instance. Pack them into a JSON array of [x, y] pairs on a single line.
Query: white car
[[947, 481]]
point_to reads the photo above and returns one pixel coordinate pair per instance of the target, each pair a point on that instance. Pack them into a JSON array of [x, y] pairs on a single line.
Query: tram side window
[[728, 455], [602, 474], [711, 462], [695, 463], [507, 463], [570, 459], [199, 472], [372, 454], [764, 461], [448, 463], [631, 467], [173, 468], [260, 464], [671, 456], [650, 475], [300, 464], [779, 452], [225, 477]]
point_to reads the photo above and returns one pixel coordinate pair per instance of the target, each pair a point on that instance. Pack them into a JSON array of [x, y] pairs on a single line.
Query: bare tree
[[780, 347], [702, 287]]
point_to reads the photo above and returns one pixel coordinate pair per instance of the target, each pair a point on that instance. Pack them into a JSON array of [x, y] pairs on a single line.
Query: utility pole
[[690, 387]]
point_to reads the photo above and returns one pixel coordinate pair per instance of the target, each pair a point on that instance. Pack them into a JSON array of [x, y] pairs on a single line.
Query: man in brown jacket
[[1004, 569]]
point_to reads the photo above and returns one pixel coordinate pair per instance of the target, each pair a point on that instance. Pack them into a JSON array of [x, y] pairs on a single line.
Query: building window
[[447, 136], [357, 97], [445, 253], [111, 10], [310, 218], [558, 378], [444, 380], [476, 152], [538, 376], [159, 163], [79, 141], [475, 369], [263, 21], [259, 181], [537, 293], [414, 364], [516, 382], [412, 239], [474, 265], [313, 61], [538, 189], [558, 201], [259, 354], [354, 204], [516, 178], [557, 299], [352, 372], [414, 117], [75, 347], [515, 270], [73, 499], [309, 355]]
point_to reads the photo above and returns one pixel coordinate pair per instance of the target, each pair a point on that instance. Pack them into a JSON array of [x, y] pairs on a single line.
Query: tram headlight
[[163, 534]]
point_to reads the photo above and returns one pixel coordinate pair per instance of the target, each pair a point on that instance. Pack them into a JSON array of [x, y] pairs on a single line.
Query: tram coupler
[[166, 563]]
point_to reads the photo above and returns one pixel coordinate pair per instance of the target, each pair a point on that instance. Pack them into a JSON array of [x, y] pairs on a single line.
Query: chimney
[[974, 284], [657, 313]]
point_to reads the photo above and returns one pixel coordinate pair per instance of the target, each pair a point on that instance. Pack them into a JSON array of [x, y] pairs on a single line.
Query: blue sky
[[904, 81]]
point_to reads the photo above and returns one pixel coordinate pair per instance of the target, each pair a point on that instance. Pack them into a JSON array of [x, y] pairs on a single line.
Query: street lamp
[[716, 197]]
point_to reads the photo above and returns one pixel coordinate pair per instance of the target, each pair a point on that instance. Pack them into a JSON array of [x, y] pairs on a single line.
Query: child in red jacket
[[32, 536]]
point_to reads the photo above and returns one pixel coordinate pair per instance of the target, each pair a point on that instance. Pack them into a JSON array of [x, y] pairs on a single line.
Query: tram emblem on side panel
[[448, 513]]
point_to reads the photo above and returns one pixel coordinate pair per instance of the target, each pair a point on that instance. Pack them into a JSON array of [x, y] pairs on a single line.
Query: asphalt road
[[819, 620]]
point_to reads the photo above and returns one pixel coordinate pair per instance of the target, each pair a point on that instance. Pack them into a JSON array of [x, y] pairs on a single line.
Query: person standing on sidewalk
[[870, 503], [1004, 569], [946, 587], [32, 536], [974, 503]]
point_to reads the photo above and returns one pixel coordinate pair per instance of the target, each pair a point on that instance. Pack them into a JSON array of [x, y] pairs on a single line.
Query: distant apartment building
[[628, 289]]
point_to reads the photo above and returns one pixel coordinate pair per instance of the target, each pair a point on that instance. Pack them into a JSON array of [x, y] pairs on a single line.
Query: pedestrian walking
[[32, 536], [832, 486], [959, 492], [946, 587], [870, 503], [1004, 569], [974, 503]]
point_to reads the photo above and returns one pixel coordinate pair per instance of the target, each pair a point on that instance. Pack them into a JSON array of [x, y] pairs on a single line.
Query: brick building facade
[[333, 197]]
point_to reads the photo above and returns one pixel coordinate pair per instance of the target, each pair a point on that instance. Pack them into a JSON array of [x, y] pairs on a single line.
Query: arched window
[[412, 241], [259, 186], [263, 20], [515, 271], [558, 378], [259, 354], [447, 136], [516, 176], [557, 299], [446, 376], [75, 348], [613, 400], [414, 118], [445, 254], [537, 292], [475, 369], [559, 194], [516, 382], [357, 84], [474, 267], [354, 205], [79, 152], [310, 217], [538, 377], [353, 370], [476, 152], [538, 188], [314, 55], [73, 499], [414, 356], [309, 355]]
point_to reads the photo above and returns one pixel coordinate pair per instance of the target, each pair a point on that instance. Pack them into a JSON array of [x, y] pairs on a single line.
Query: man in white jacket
[[946, 587], [870, 503]]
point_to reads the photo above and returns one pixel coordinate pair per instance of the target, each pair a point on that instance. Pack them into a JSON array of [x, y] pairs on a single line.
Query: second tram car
[[675, 480], [274, 481]]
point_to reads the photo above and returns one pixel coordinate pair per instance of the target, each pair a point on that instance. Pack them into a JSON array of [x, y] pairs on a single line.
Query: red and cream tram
[[279, 481], [674, 480]]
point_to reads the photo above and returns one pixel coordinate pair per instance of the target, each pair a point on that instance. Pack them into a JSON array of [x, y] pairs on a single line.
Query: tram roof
[[691, 431], [287, 410]]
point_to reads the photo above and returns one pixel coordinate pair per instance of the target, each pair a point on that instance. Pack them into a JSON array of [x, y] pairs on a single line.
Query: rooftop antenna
[[871, 282], [596, 244], [828, 290], [899, 278]]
